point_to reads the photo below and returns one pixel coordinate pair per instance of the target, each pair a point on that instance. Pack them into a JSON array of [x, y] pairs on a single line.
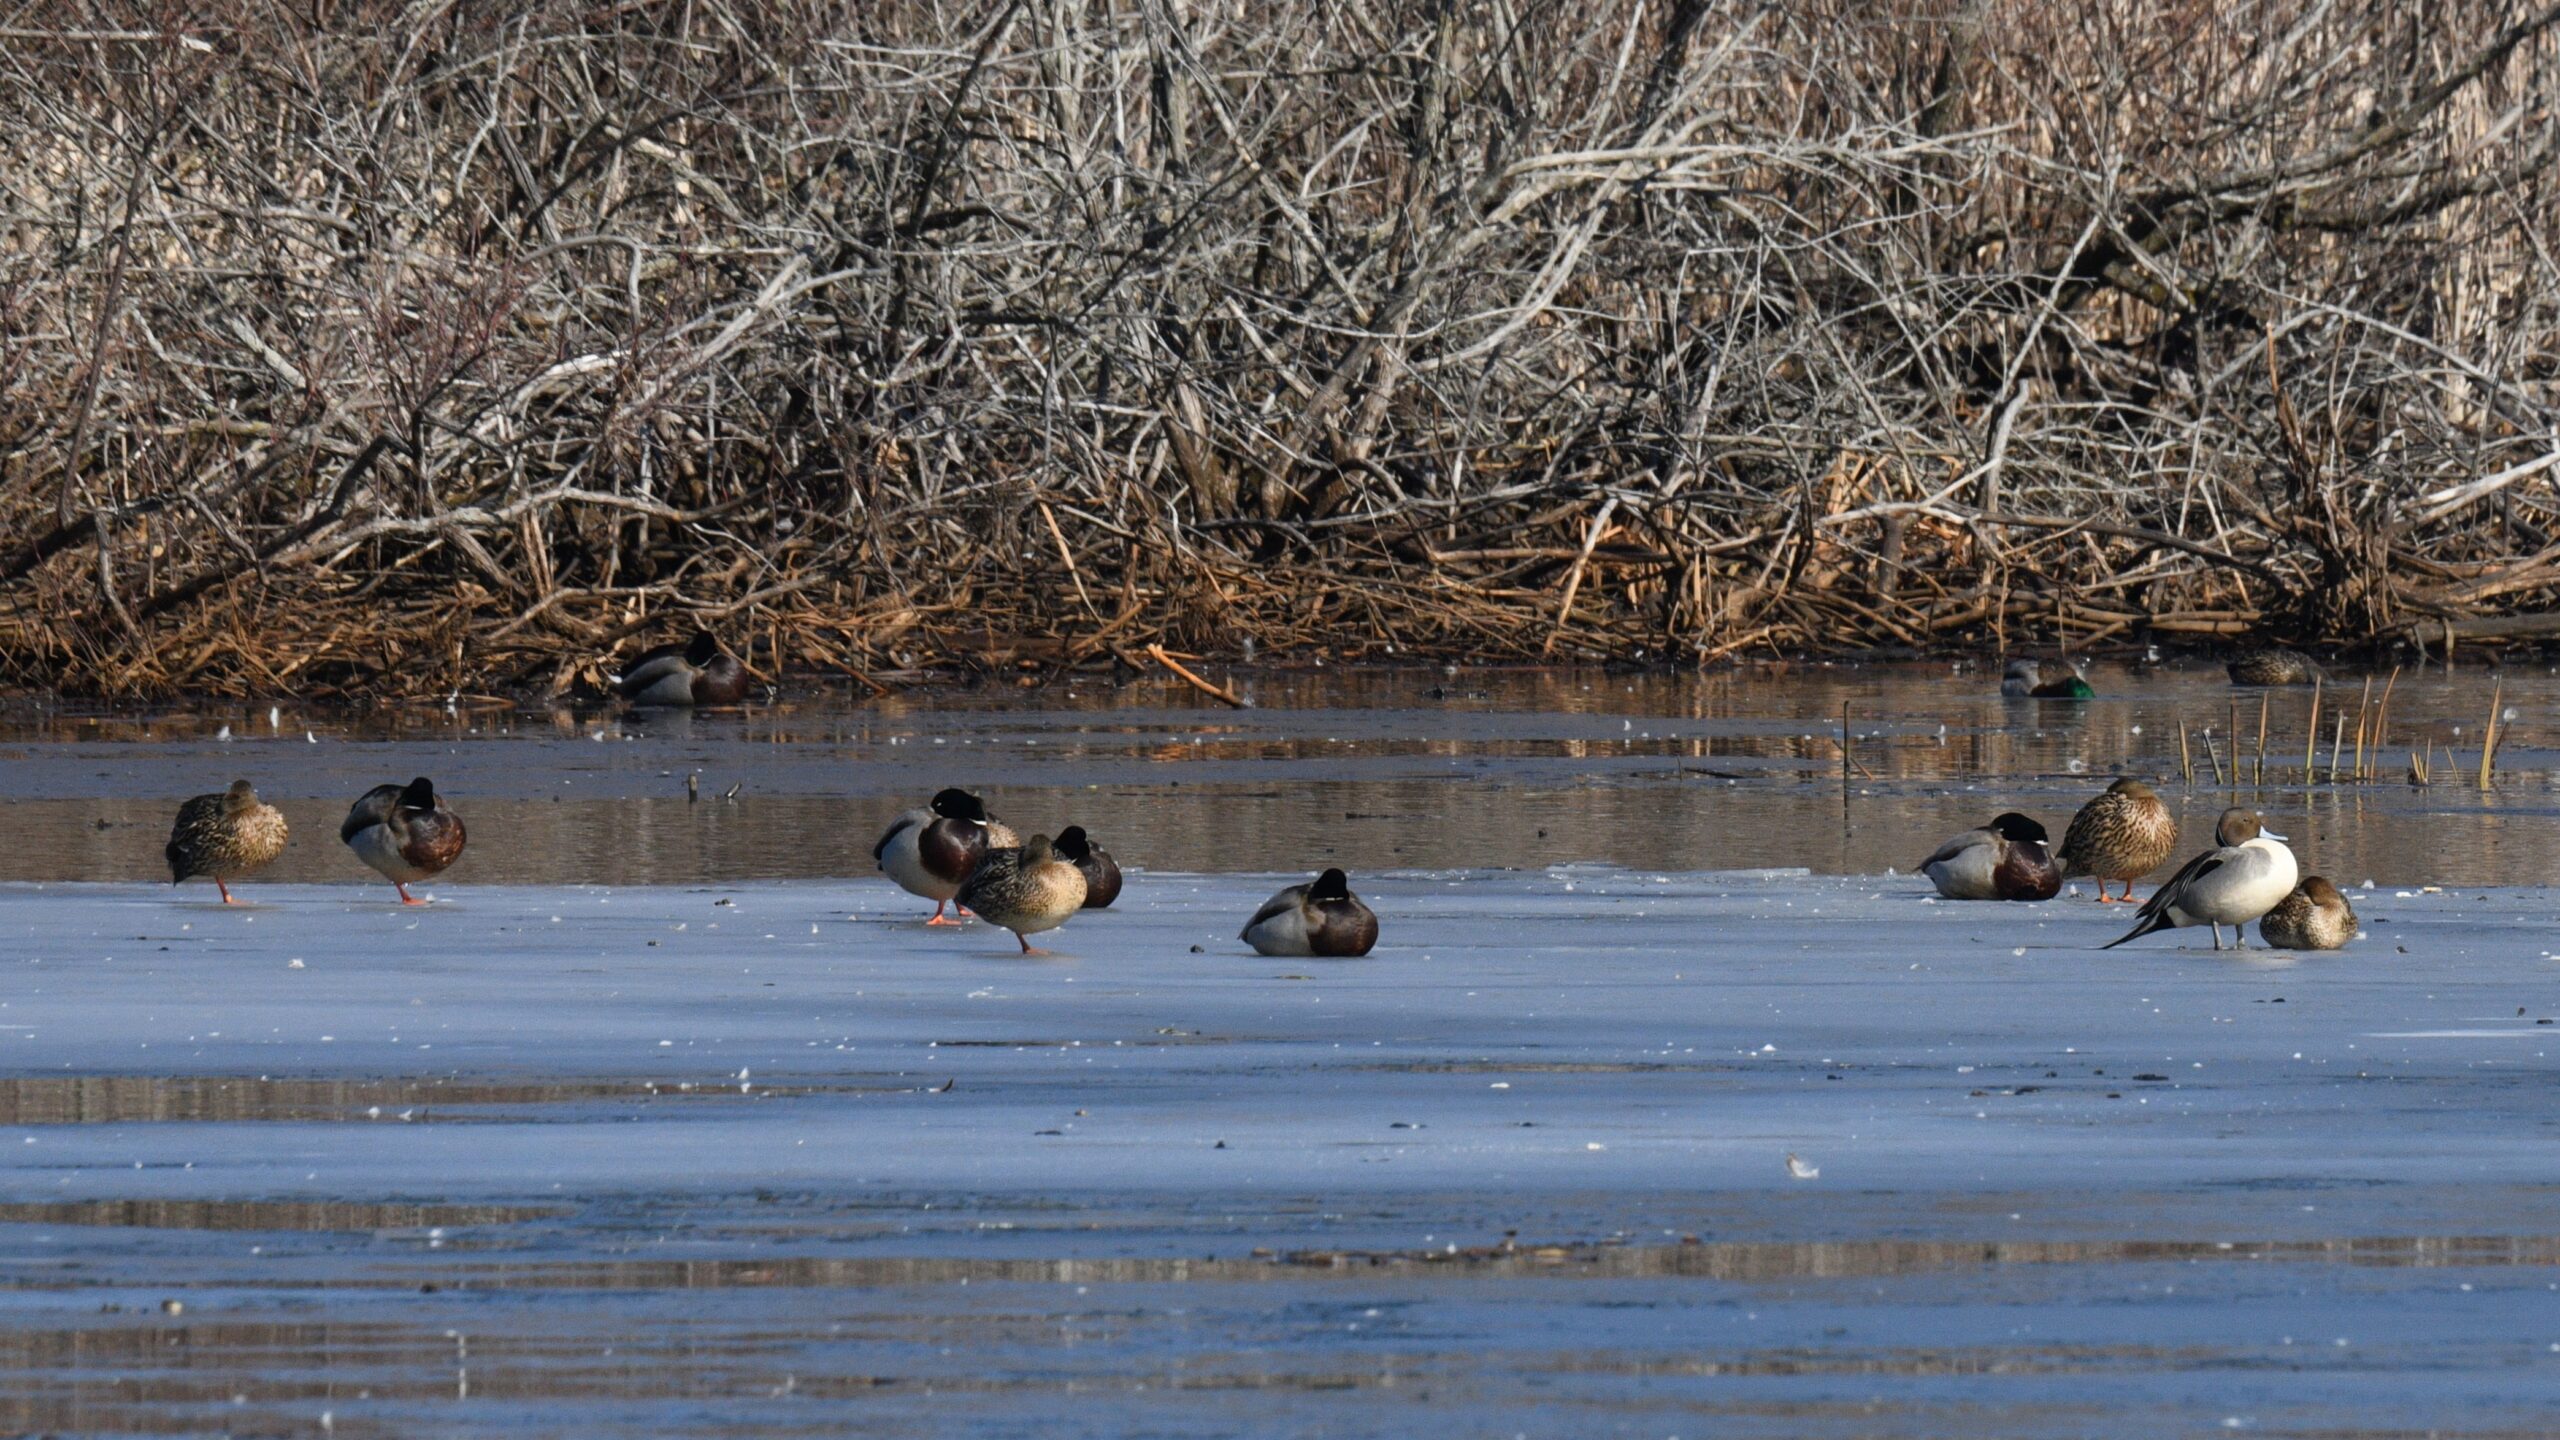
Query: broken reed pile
[[357, 347]]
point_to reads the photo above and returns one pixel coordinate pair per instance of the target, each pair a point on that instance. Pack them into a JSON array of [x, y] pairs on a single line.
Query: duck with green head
[[2024, 680], [2009, 859], [405, 832], [1321, 917], [696, 673], [931, 851]]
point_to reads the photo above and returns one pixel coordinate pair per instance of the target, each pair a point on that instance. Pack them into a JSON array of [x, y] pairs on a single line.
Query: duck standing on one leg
[[2247, 874], [1026, 891], [2008, 859], [1101, 872], [405, 833], [225, 836], [697, 672], [933, 850], [2124, 835], [2314, 917], [1319, 918]]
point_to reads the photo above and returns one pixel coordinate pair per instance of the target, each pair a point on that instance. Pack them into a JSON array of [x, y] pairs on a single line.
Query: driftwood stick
[[1216, 692]]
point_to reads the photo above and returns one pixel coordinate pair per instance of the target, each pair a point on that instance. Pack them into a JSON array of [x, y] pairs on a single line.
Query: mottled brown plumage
[[1026, 891], [224, 836], [2124, 835], [2313, 917], [2274, 665]]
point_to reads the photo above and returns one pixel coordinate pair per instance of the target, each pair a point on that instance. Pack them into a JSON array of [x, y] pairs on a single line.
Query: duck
[[1101, 872], [932, 850], [1025, 890], [698, 672], [2008, 859], [2024, 680], [2123, 834], [2247, 873], [225, 836], [1321, 917], [2274, 665], [2314, 917], [405, 832]]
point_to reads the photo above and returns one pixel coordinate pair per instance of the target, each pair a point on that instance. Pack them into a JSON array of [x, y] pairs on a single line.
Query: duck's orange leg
[[225, 889], [937, 915], [405, 897]]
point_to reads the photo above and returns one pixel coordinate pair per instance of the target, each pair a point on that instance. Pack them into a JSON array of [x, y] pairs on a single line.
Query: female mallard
[[1026, 891], [698, 672], [404, 832], [2274, 665], [2314, 917], [1322, 918], [224, 836], [2008, 859], [1101, 872], [2122, 835], [2245, 875], [2025, 681], [932, 851]]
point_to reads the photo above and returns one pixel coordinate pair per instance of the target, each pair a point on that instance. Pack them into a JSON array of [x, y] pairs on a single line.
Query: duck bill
[[2265, 833]]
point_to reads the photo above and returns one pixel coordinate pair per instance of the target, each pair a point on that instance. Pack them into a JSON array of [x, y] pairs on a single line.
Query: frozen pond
[[769, 1158]]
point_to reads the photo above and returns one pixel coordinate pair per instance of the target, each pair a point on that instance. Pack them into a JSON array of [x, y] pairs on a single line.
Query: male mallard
[[1101, 872], [2122, 835], [224, 836], [1026, 891], [2008, 859], [1322, 918], [2247, 874], [2314, 917], [697, 672], [933, 850], [2025, 680], [404, 832], [2274, 665]]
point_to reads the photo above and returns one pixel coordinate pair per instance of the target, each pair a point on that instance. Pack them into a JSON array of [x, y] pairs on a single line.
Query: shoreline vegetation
[[353, 350]]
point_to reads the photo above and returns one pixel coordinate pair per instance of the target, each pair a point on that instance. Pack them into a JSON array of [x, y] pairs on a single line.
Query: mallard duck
[[2274, 665], [224, 836], [2024, 680], [1026, 891], [2122, 835], [932, 850], [404, 832], [697, 672], [2245, 875], [1319, 918], [2008, 859], [2314, 917], [1101, 872]]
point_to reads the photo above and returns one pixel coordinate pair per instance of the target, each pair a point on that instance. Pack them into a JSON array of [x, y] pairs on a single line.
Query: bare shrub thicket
[[368, 347]]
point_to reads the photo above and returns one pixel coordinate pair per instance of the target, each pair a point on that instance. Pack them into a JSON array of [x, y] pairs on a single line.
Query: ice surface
[[910, 1155]]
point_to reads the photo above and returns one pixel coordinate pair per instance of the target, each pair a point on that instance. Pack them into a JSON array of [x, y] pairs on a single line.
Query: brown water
[[1369, 769]]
